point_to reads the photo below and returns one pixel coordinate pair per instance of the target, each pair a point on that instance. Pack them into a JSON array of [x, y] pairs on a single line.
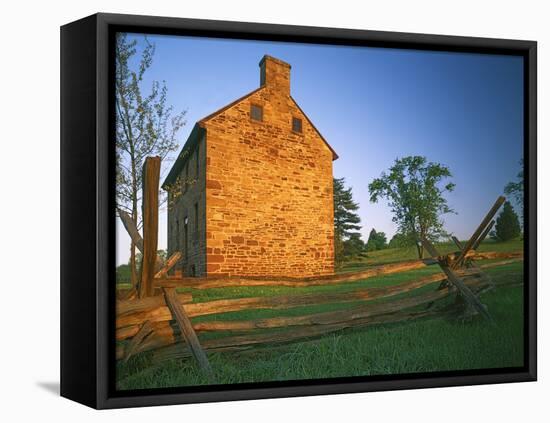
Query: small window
[[297, 125], [256, 112]]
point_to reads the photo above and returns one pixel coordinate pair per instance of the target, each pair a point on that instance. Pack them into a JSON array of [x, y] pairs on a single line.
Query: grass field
[[419, 346]]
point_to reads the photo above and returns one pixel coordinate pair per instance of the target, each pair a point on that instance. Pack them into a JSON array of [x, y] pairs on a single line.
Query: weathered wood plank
[[213, 282], [468, 295], [186, 328], [483, 235], [134, 234], [141, 304], [130, 227], [164, 336], [171, 262], [275, 302], [319, 318], [150, 201], [132, 346], [480, 229], [470, 263], [324, 318], [279, 302], [246, 342], [491, 255], [124, 294]]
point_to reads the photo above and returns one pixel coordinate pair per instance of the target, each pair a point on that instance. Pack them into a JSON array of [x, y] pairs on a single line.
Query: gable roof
[[223, 109], [334, 155], [196, 134], [199, 129]]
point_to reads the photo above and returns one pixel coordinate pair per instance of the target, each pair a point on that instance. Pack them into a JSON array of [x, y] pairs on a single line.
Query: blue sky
[[372, 105]]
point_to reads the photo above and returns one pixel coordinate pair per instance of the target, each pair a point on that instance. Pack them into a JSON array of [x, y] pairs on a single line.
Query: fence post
[[480, 230], [150, 206], [186, 328]]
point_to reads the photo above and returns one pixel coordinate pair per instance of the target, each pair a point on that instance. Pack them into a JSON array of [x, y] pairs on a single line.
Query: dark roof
[[196, 134]]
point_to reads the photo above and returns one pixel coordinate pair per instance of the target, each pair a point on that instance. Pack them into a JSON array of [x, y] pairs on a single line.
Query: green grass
[[409, 253], [419, 346]]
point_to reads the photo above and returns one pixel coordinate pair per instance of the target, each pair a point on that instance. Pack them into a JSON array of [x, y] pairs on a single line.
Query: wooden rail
[[163, 322], [131, 314], [370, 313], [165, 337], [388, 269]]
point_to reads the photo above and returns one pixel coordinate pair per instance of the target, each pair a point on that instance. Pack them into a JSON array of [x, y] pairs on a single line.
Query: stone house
[[259, 194]]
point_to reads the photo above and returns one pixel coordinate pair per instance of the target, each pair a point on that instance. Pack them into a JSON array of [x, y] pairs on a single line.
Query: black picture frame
[[87, 209]]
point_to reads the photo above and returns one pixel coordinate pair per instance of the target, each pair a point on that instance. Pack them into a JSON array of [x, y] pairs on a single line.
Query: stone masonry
[[186, 214], [265, 205]]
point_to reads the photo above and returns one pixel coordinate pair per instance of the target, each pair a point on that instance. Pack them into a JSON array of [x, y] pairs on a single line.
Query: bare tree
[[145, 126]]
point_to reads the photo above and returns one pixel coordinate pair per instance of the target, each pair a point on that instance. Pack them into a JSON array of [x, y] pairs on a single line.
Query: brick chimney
[[275, 74]]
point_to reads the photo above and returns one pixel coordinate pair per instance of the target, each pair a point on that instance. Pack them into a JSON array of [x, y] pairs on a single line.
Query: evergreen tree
[[515, 189], [353, 246], [346, 220], [507, 224], [401, 240], [377, 241]]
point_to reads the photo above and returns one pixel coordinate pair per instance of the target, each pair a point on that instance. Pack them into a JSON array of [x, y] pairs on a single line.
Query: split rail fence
[[153, 316]]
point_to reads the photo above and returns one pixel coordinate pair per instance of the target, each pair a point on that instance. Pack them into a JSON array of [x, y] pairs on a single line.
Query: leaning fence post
[[480, 230], [150, 205], [186, 328], [483, 235], [466, 293]]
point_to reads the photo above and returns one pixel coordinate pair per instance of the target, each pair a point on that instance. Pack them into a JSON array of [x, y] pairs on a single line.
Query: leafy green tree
[[415, 192], [123, 274], [377, 241], [161, 254], [145, 126], [346, 220], [507, 225], [515, 189], [400, 240]]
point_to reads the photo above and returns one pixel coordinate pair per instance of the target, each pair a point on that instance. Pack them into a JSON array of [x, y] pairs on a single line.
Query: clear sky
[[372, 105]]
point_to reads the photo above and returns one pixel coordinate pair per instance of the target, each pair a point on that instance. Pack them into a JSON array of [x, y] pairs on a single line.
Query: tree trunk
[[418, 243], [419, 250], [421, 244]]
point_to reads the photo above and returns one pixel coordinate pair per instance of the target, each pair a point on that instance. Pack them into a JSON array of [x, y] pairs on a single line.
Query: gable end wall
[[269, 193]]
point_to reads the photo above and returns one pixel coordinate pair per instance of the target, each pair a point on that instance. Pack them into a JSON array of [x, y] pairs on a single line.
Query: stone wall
[[193, 262], [269, 191]]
